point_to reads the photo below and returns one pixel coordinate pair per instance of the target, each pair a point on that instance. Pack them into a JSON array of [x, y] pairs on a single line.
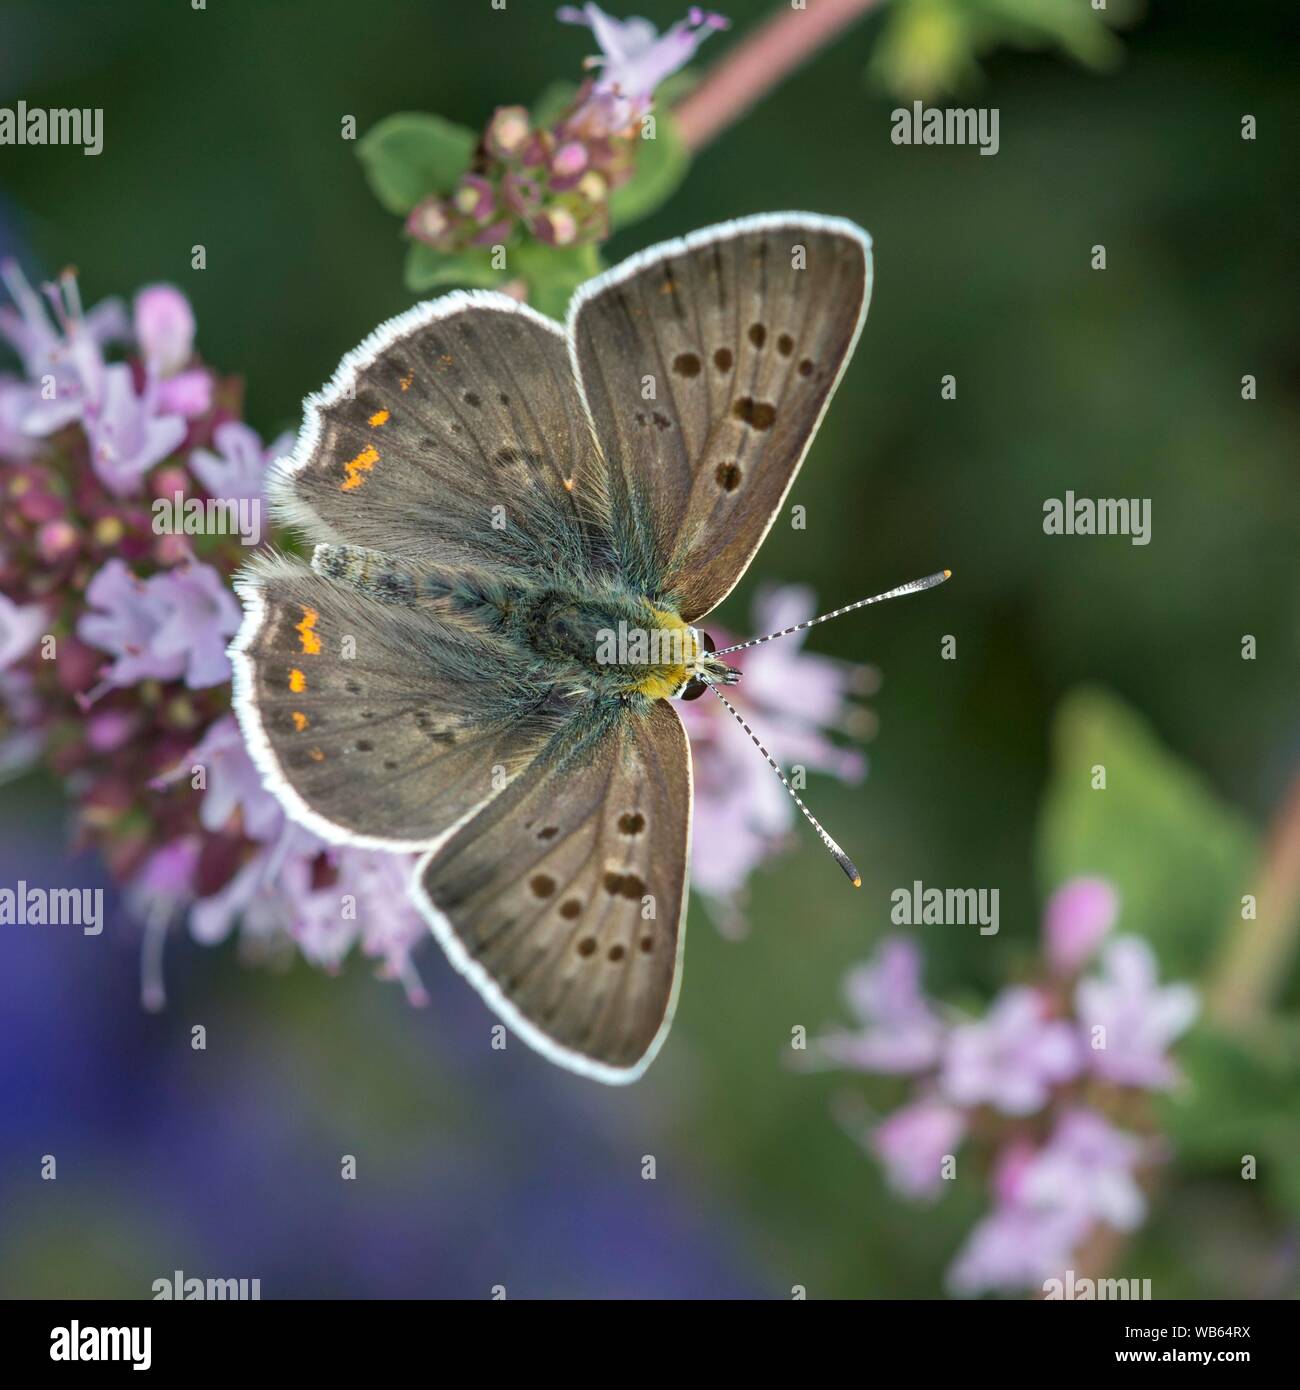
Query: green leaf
[[411, 154], [427, 269], [1177, 854], [661, 165], [553, 273], [1238, 1100], [555, 99]]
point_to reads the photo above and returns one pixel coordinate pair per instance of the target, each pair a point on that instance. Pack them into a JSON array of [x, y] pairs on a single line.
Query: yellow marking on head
[[405, 382], [380, 417], [660, 682], [297, 681], [300, 720], [306, 630], [316, 755], [356, 468]]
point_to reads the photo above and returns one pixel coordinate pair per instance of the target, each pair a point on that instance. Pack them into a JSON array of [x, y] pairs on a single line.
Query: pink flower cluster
[[553, 182], [1040, 1079], [113, 635], [794, 701]]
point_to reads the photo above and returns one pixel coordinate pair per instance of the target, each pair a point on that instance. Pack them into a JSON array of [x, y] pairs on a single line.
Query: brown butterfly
[[516, 528]]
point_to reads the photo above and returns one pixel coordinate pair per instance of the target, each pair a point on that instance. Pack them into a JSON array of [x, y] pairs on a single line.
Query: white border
[[491, 992], [706, 236], [291, 511]]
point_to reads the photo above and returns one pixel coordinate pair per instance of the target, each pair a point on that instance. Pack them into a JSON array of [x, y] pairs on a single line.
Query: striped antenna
[[838, 854], [915, 587]]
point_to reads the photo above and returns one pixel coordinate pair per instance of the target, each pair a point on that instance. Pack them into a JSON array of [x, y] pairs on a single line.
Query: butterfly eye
[[709, 644], [694, 690]]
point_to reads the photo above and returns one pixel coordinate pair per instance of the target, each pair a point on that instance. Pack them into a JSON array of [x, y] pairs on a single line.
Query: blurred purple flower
[[164, 329], [127, 436], [900, 1033], [1138, 1017], [233, 784], [175, 624], [1011, 1058], [794, 701], [634, 59], [46, 348], [913, 1143], [21, 627], [1014, 1248], [238, 469], [1088, 1168], [1077, 917]]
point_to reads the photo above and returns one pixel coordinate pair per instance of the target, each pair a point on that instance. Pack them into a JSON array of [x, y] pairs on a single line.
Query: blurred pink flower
[[1012, 1057], [913, 1142], [794, 701], [237, 469], [901, 1033], [1077, 917], [634, 59], [1139, 1018], [164, 329]]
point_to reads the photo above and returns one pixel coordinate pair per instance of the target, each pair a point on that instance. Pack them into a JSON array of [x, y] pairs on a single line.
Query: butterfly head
[[706, 670]]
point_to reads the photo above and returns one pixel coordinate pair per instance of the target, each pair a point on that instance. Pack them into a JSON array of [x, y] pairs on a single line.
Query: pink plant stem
[[757, 64]]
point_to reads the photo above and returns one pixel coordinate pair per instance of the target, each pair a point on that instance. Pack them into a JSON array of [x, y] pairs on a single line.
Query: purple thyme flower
[[47, 349], [900, 1032], [1087, 1167], [164, 329], [235, 784], [1012, 1057], [21, 627], [173, 625], [1137, 1017], [1014, 1248], [743, 814], [127, 435], [238, 469], [913, 1142], [635, 59], [1077, 917]]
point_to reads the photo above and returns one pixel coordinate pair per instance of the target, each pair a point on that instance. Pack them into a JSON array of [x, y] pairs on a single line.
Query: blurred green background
[[222, 128]]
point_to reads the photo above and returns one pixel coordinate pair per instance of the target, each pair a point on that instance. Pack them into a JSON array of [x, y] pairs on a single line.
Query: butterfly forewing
[[562, 901], [707, 364], [453, 434]]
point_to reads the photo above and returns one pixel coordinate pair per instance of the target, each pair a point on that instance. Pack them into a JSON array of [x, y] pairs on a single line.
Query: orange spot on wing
[[380, 417], [316, 755], [306, 631], [297, 681], [356, 468], [406, 381], [300, 720]]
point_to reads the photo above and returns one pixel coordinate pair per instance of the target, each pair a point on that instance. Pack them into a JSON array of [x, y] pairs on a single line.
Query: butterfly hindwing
[[453, 434], [562, 900], [376, 723], [706, 364]]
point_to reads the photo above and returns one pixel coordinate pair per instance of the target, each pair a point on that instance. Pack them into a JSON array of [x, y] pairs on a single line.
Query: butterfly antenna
[[840, 857], [915, 587]]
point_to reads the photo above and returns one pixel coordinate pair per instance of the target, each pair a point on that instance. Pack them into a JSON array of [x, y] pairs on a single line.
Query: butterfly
[[516, 529]]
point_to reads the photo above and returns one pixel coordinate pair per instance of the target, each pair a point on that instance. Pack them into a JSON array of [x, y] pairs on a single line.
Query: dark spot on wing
[[616, 952], [624, 886], [631, 822], [364, 745], [757, 334], [543, 885], [587, 946], [758, 415], [647, 944], [785, 345], [548, 832], [728, 476], [662, 422], [472, 398], [571, 908], [806, 367], [686, 364], [722, 359]]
